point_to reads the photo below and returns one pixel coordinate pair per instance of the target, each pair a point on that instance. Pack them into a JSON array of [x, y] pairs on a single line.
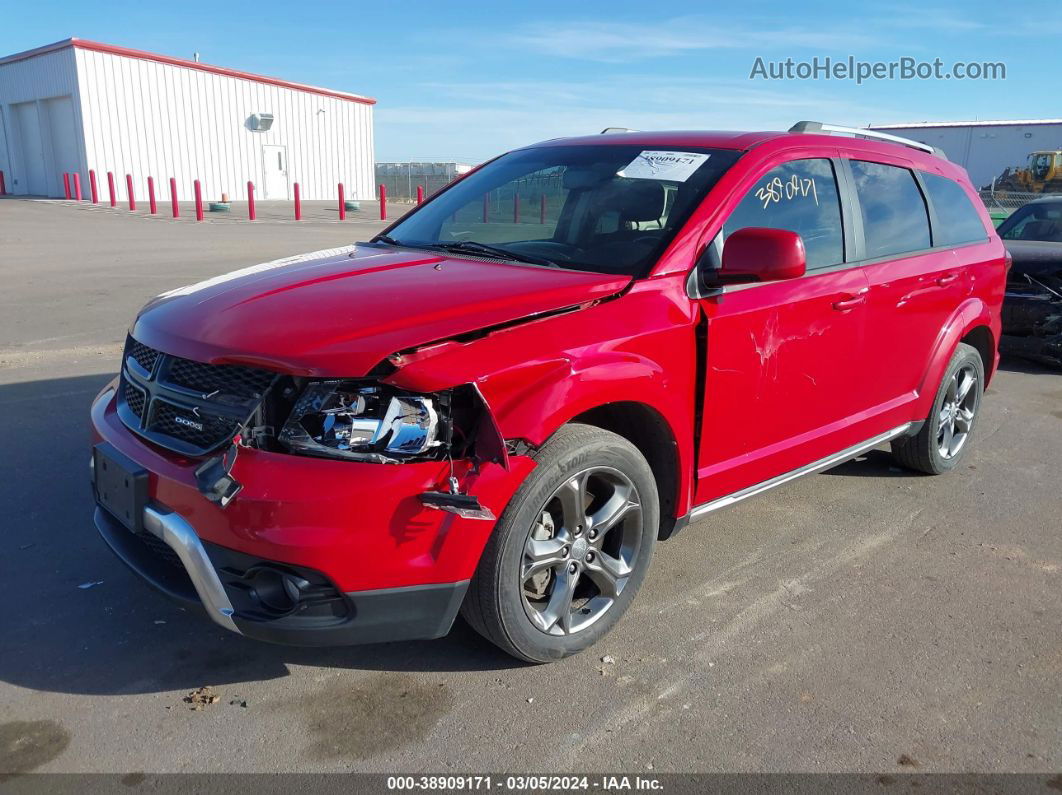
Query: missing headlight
[[364, 422]]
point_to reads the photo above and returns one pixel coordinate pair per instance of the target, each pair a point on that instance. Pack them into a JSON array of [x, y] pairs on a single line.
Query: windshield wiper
[[475, 247], [387, 239]]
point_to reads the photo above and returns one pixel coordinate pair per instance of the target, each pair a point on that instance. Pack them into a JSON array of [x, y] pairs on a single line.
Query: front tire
[[571, 549], [938, 447]]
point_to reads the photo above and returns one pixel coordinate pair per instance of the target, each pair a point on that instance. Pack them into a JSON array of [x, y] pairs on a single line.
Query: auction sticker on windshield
[[668, 166]]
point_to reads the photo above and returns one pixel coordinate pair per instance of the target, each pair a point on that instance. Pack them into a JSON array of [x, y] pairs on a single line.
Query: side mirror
[[758, 254]]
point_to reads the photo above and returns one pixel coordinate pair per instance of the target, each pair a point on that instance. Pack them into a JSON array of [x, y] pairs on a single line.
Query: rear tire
[[940, 444], [571, 549]]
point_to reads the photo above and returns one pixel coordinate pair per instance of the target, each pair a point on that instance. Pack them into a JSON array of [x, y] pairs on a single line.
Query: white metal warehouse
[[984, 148], [77, 105]]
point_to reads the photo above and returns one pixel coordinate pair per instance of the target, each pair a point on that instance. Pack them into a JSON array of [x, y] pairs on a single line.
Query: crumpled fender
[[970, 314], [538, 376]]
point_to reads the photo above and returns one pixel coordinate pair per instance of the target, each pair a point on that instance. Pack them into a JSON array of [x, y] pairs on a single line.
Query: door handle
[[852, 301], [948, 279]]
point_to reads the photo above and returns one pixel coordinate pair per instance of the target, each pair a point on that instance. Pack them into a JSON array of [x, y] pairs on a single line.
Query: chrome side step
[[816, 466]]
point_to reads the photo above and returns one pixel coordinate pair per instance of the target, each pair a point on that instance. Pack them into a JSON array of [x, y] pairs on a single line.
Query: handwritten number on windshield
[[793, 188]]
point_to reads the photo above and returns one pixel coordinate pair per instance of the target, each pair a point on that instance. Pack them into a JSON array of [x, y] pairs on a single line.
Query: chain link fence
[[402, 179]]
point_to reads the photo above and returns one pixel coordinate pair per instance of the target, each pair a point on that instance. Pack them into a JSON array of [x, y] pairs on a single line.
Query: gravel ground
[[863, 619]]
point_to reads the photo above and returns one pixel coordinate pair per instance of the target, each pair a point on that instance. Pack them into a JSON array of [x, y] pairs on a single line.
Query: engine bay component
[[464, 505], [364, 422], [214, 479]]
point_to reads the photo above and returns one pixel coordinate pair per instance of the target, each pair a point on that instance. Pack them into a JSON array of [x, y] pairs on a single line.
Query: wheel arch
[[971, 322], [981, 338], [645, 428]]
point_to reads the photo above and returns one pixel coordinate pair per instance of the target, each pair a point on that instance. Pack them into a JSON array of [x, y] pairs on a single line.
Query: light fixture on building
[[260, 122]]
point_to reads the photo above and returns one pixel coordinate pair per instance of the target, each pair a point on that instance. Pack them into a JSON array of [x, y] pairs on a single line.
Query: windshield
[[1034, 222], [608, 208]]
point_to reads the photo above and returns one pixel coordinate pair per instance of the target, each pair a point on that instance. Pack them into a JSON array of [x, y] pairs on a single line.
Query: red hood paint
[[339, 314]]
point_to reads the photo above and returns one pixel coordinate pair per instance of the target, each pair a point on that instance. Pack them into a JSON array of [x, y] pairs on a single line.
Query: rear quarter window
[[895, 219], [957, 220]]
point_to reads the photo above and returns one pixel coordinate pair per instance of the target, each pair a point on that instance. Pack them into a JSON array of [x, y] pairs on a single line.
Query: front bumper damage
[[312, 551], [1032, 320], [208, 574]]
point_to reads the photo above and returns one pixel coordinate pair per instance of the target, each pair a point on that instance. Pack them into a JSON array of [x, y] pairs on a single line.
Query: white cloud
[[618, 42]]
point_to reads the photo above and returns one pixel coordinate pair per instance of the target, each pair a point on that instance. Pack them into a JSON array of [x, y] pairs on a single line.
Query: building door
[[58, 116], [275, 160], [29, 151]]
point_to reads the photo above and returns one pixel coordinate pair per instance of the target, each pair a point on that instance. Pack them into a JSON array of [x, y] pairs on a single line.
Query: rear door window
[[800, 196], [957, 220], [895, 219]]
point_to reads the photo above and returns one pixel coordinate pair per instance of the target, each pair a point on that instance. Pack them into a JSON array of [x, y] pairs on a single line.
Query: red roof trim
[[126, 52]]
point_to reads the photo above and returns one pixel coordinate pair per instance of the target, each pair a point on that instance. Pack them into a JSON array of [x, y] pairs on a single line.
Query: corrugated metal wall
[[148, 118], [986, 150], [24, 88]]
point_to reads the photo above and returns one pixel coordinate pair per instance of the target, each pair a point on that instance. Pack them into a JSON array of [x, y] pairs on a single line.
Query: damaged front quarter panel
[[1032, 317]]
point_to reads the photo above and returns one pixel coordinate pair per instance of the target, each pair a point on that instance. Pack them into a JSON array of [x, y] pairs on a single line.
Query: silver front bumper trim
[[177, 534]]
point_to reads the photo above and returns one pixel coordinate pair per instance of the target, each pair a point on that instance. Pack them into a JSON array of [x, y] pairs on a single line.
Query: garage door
[[63, 138], [31, 176]]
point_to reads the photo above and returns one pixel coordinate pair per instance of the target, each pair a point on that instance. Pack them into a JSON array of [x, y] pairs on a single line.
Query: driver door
[[786, 361]]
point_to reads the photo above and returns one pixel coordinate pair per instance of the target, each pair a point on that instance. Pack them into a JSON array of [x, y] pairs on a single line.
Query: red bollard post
[[173, 198], [3, 185], [198, 201], [77, 185], [298, 203], [110, 187], [342, 204], [383, 202], [420, 195], [92, 187], [66, 184], [129, 190], [542, 209], [250, 201], [486, 206], [516, 208], [151, 196]]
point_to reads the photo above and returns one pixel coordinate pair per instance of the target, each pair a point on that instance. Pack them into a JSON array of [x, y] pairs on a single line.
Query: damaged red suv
[[501, 404]]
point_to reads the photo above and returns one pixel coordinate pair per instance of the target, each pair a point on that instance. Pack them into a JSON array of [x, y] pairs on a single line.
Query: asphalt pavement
[[863, 619]]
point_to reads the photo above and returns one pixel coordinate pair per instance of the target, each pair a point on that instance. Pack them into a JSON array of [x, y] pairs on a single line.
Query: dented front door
[[786, 377]]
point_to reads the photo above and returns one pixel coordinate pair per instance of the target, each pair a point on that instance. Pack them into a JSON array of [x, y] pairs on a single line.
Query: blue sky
[[465, 81]]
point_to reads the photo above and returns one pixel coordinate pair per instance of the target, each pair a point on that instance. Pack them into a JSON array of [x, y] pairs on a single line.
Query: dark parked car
[[1032, 310]]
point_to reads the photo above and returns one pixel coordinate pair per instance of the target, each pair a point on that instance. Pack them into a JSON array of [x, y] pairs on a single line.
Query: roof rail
[[862, 132], [610, 130]]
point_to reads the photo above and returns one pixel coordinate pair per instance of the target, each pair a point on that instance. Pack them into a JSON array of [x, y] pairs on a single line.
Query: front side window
[[957, 220], [895, 219], [800, 196], [611, 208]]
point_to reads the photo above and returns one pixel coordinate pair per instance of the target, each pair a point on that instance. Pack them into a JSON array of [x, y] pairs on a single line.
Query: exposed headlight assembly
[[362, 422]]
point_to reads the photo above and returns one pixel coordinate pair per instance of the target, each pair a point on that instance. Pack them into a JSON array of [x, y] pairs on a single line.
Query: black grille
[[142, 354], [189, 407], [224, 379], [160, 549], [134, 399], [178, 423]]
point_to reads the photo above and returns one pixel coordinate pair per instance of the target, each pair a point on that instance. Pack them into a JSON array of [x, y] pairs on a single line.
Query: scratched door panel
[[786, 377]]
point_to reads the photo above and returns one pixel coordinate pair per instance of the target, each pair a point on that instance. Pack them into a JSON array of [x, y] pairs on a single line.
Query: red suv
[[501, 404]]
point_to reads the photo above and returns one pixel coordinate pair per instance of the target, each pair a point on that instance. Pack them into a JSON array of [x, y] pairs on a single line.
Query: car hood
[[342, 311], [1034, 256]]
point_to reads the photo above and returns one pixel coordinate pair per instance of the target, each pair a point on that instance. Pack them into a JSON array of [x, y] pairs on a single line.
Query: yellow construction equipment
[[1043, 174]]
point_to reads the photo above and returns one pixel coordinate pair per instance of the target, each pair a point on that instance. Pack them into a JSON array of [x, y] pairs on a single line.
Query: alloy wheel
[[579, 555], [957, 411]]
